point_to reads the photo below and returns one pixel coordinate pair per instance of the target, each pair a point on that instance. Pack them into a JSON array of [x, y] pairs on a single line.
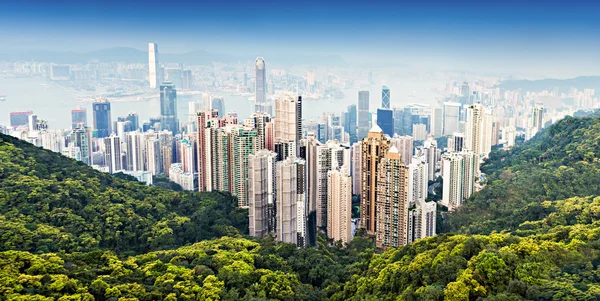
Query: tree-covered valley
[[68, 232]]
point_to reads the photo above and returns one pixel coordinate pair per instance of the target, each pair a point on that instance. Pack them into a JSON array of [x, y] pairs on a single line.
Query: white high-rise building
[[470, 172], [474, 129], [136, 148], [321, 159], [452, 192], [291, 201], [487, 134], [431, 155], [459, 173], [537, 118], [153, 69], [478, 132], [339, 205], [425, 223], [261, 192], [288, 120], [417, 181], [112, 146]]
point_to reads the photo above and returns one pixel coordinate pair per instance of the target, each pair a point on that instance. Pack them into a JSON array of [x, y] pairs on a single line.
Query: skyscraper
[[102, 118], [78, 116], [419, 131], [203, 145], [430, 150], [260, 122], [457, 142], [451, 114], [350, 123], [459, 176], [80, 140], [321, 158], [473, 133], [417, 181], [216, 156], [538, 117], [112, 148], [385, 98], [374, 147], [465, 93], [153, 156], [261, 81], [356, 165], [436, 121], [218, 104], [168, 108], [288, 121], [244, 141], [136, 150], [385, 120], [261, 192], [134, 118], [153, 71], [32, 121], [391, 216], [339, 205], [290, 204], [19, 118], [404, 144], [363, 114]]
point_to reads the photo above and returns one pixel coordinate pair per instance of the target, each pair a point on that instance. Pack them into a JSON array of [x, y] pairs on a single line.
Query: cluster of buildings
[[298, 178]]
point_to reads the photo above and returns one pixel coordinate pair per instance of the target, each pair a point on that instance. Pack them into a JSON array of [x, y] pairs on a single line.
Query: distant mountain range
[[132, 55], [563, 85]]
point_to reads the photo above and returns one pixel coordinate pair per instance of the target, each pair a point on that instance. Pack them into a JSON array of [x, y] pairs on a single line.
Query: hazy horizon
[[558, 40]]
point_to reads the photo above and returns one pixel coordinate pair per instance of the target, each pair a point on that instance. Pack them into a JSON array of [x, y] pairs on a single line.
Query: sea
[[54, 103]]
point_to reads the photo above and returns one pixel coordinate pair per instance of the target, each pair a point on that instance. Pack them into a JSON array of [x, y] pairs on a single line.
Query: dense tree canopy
[[50, 203]]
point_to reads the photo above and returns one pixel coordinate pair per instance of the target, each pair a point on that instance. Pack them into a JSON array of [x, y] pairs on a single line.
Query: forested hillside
[[50, 203], [533, 233], [561, 162]]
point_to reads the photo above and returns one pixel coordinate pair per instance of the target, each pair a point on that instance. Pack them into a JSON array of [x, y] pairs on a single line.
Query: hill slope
[[50, 203], [561, 162]]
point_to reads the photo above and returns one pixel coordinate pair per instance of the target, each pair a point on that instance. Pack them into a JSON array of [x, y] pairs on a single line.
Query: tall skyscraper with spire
[[153, 65], [385, 97]]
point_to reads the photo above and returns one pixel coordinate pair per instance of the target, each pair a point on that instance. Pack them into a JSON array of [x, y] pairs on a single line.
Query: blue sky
[[519, 33]]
